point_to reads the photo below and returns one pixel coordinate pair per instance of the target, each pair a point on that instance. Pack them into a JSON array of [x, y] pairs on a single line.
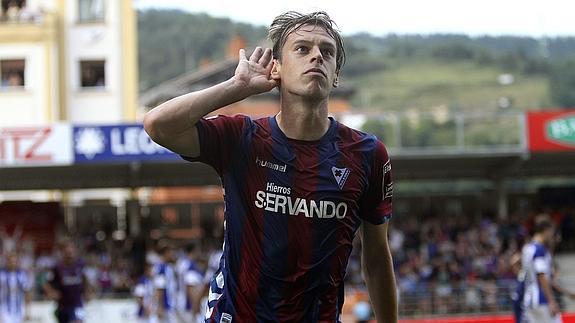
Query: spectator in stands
[[10, 242], [13, 11]]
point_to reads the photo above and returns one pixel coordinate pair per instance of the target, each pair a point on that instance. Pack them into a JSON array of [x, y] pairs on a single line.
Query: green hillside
[[393, 72], [461, 85]]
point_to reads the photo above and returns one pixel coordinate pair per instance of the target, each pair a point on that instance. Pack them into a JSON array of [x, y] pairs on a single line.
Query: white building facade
[[64, 62]]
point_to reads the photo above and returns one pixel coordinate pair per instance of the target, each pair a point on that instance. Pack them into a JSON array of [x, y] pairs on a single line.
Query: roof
[[480, 166], [205, 77]]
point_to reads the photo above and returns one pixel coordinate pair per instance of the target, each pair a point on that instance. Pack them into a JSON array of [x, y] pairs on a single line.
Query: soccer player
[[68, 285], [144, 292], [298, 185], [15, 287], [166, 285], [539, 303], [190, 280]]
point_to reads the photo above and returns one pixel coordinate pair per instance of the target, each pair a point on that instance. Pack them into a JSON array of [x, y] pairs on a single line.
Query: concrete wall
[[94, 41], [25, 106]]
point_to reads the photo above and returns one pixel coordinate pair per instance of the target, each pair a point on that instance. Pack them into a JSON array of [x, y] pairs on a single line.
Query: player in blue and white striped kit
[[539, 304], [14, 291], [166, 286], [144, 291], [190, 283]]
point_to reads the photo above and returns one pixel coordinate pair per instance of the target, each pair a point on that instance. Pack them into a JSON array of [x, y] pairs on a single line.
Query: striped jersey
[[13, 287], [193, 276], [165, 279], [292, 209], [535, 260], [145, 290]]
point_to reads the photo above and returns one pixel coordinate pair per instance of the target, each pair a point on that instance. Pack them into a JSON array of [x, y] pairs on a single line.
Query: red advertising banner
[[566, 318], [551, 131]]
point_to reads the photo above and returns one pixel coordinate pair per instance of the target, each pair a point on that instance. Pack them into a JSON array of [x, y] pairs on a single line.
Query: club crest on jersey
[[340, 175]]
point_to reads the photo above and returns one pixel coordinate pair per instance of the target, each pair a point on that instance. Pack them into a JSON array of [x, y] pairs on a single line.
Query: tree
[[562, 84]]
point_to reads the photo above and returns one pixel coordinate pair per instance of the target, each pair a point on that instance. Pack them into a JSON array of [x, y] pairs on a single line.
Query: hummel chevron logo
[[270, 165], [340, 175]]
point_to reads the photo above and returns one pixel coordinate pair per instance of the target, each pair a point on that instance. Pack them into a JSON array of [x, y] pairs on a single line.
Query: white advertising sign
[[36, 146]]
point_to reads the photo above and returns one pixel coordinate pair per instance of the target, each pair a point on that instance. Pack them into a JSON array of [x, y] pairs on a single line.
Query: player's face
[[308, 63], [148, 270], [12, 262], [549, 236], [170, 256], [68, 251]]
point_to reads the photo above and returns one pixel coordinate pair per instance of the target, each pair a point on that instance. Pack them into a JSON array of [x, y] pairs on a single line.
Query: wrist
[[238, 89]]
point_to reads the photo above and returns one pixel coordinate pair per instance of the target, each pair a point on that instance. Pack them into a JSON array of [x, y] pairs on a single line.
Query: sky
[[535, 18]]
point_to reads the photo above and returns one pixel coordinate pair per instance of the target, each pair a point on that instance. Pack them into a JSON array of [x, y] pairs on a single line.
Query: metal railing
[[445, 133], [23, 15], [453, 298]]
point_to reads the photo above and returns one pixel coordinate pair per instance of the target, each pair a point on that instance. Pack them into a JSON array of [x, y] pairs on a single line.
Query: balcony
[[24, 26]]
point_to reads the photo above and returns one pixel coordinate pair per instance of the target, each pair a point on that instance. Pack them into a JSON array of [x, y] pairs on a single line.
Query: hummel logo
[[270, 165], [340, 175]]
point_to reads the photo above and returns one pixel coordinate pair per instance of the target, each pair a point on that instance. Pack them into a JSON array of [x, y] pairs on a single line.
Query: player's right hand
[[254, 74]]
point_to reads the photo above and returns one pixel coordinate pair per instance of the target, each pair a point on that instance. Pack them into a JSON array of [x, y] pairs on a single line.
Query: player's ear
[[276, 70], [336, 79]]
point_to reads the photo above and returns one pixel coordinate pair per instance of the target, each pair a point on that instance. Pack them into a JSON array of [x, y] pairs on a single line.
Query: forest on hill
[[391, 72]]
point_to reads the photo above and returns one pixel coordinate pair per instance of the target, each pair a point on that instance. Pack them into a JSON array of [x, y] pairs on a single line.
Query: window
[[12, 9], [12, 73], [93, 74], [90, 10]]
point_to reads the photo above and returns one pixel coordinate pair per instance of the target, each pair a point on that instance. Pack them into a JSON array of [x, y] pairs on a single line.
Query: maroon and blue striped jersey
[[292, 209]]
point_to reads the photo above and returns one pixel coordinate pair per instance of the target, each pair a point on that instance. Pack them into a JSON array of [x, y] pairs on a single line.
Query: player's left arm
[[378, 273], [376, 211], [27, 302], [88, 289]]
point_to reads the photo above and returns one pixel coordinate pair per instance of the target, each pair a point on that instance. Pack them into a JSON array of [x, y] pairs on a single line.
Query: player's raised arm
[[172, 124]]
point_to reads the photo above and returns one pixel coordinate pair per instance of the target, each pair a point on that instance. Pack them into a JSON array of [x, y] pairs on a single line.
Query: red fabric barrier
[[567, 318]]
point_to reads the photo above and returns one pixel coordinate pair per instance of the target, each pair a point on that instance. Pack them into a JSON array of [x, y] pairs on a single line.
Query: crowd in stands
[[443, 264], [112, 266], [447, 264]]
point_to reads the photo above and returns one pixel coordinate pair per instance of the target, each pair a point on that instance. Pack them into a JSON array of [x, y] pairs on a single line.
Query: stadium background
[[74, 160]]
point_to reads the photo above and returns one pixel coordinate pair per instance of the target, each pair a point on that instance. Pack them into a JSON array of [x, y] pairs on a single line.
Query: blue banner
[[117, 143]]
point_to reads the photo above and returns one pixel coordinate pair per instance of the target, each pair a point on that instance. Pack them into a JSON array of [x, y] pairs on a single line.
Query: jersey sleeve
[[140, 289], [193, 278], [53, 277], [160, 281], [219, 137], [27, 282], [540, 263], [375, 206]]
